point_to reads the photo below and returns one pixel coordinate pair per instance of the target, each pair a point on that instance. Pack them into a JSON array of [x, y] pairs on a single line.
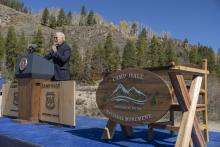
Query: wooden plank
[[5, 88], [159, 68], [35, 99], [189, 70], [205, 98], [166, 127], [197, 137], [185, 101], [202, 91], [175, 80], [176, 107], [58, 102], [179, 69], [109, 130], [29, 98], [10, 99], [67, 103], [184, 136]]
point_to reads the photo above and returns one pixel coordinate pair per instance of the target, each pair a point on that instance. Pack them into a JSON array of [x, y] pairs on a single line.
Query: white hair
[[61, 34]]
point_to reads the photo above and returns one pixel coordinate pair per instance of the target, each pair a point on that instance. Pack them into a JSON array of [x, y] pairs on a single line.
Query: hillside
[[88, 37]]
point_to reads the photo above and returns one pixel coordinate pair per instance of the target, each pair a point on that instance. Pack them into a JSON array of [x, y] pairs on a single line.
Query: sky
[[196, 20]]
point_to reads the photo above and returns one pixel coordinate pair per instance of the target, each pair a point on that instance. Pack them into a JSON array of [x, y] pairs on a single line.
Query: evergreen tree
[[11, 51], [200, 52], [111, 55], [83, 11], [161, 56], [48, 44], [69, 18], [39, 41], [91, 18], [171, 55], [87, 68], [52, 22], [61, 18], [114, 59], [108, 49], [97, 62], [22, 43], [45, 17], [134, 29], [205, 52], [129, 58], [193, 55], [156, 54], [186, 50], [141, 47], [75, 63]]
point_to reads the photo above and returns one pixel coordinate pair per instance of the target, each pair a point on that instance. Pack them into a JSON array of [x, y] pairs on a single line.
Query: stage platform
[[87, 133]]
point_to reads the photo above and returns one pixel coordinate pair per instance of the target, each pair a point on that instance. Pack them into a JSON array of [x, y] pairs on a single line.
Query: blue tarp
[[87, 133]]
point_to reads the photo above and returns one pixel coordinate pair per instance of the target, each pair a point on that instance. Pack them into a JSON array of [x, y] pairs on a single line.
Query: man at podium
[[60, 55]]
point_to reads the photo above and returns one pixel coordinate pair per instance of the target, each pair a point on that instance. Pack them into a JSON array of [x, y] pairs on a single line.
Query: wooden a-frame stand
[[187, 100]]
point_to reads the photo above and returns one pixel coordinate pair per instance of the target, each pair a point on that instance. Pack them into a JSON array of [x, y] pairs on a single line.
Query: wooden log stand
[[187, 102]]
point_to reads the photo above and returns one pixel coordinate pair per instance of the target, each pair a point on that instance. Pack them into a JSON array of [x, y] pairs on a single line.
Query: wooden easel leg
[[184, 99], [205, 99], [188, 117], [172, 120], [109, 130], [127, 130], [205, 121], [150, 134]]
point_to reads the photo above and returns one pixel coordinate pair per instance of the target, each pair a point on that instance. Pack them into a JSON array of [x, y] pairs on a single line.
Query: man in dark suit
[[60, 56]]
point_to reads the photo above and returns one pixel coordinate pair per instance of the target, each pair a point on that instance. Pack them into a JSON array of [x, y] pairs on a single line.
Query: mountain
[[134, 90], [120, 89], [132, 95], [87, 37]]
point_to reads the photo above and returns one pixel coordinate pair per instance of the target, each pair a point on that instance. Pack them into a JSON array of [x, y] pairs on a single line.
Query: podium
[[31, 71]]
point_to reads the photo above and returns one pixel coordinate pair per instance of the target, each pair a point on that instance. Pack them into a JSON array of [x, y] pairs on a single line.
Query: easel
[[187, 103]]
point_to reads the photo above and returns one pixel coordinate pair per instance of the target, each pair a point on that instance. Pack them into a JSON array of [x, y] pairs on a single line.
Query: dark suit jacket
[[61, 62]]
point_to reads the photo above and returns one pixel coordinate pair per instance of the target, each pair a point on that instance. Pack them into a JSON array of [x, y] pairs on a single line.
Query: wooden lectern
[[31, 71]]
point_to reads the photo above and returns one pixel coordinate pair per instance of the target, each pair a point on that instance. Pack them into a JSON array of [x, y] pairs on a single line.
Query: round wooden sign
[[133, 97]]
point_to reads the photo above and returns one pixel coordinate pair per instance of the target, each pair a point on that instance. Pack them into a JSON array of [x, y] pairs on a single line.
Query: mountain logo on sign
[[132, 95]]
